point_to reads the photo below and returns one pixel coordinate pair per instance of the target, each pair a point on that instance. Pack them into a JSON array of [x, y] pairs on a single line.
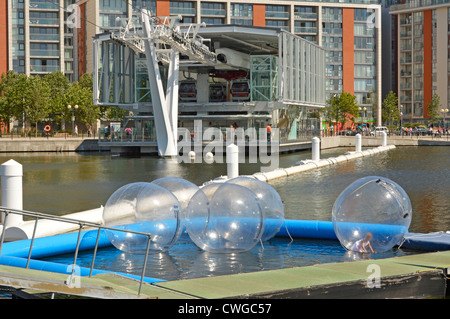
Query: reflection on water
[[61, 183]]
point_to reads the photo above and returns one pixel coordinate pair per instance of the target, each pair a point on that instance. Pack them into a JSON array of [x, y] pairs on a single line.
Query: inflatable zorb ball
[[181, 188], [371, 215], [270, 201], [143, 207], [224, 218]]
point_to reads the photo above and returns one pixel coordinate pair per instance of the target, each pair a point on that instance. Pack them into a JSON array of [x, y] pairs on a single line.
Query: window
[[365, 70], [276, 11], [364, 84], [364, 57], [241, 10], [364, 43]]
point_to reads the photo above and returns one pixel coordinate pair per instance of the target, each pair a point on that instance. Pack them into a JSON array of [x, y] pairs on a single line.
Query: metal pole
[[32, 241], [76, 249], [3, 231], [145, 263], [95, 251]]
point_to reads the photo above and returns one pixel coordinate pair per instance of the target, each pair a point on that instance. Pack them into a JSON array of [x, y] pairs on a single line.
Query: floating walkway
[[313, 164], [412, 276]]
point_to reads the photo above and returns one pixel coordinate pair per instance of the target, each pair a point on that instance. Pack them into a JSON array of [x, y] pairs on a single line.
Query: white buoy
[[209, 158], [358, 143], [232, 161], [383, 139], [12, 195], [315, 149]]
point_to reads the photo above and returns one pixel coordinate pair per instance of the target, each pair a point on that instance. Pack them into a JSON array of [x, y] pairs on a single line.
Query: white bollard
[[12, 195], [383, 139], [315, 149], [358, 143], [232, 161]]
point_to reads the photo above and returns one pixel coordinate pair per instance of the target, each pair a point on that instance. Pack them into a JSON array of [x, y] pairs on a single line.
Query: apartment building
[[35, 38], [422, 52]]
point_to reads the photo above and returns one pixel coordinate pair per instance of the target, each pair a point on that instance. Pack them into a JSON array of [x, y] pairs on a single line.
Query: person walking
[[269, 132]]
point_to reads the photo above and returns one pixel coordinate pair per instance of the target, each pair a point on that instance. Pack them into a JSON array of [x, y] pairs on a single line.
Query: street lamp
[[73, 116], [401, 119]]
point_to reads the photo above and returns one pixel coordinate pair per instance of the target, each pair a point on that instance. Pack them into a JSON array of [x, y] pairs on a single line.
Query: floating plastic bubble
[[224, 218], [181, 188], [270, 201], [147, 208], [372, 213]]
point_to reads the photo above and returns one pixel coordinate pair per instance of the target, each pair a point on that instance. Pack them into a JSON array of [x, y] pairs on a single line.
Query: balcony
[[305, 30], [305, 15], [44, 37], [43, 5], [214, 12], [277, 14], [44, 21], [52, 53], [44, 68], [183, 11]]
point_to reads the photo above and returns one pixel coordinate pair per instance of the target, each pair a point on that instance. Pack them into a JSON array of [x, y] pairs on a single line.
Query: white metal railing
[[37, 216]]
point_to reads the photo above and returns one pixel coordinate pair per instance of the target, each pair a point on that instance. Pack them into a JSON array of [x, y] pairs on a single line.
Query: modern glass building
[[261, 76], [35, 38], [348, 30], [422, 51]]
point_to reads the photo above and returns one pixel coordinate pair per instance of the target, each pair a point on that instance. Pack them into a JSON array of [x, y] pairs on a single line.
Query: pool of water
[[185, 260]]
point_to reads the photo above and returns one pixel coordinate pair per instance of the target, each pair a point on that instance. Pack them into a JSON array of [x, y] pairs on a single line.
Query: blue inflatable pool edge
[[16, 253]]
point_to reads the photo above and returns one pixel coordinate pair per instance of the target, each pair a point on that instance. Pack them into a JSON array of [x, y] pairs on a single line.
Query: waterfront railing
[[81, 225]]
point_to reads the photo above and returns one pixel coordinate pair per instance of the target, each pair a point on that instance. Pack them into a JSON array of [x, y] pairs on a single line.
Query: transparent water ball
[[142, 207], [224, 218], [181, 188], [371, 215], [270, 201]]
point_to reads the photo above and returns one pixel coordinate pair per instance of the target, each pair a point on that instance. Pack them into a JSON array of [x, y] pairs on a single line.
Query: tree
[[390, 111], [341, 108], [80, 93], [37, 100], [349, 107], [331, 111], [13, 92], [58, 83], [433, 108]]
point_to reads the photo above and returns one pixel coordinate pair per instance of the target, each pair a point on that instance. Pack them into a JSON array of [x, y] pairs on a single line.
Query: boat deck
[[412, 276]]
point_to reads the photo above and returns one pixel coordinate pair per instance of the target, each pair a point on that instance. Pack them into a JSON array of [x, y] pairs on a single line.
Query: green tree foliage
[[12, 95], [341, 108], [80, 93], [58, 83], [433, 109], [349, 107], [37, 100], [390, 112]]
